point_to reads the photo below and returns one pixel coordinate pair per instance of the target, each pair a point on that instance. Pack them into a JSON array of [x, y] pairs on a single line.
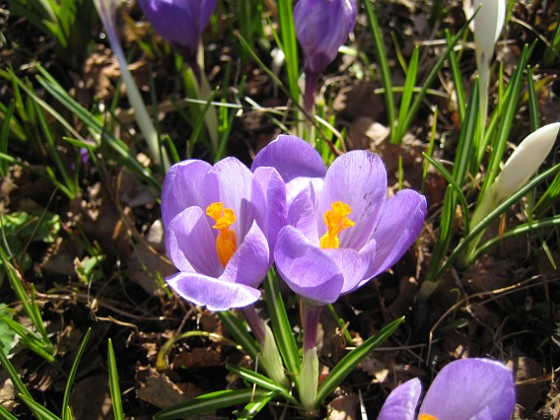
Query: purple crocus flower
[[341, 229], [221, 225], [464, 389], [321, 26], [180, 22]]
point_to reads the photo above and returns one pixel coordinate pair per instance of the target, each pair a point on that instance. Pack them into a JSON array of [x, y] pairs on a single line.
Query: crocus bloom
[[221, 223], [321, 26], [180, 22], [464, 389], [341, 229]]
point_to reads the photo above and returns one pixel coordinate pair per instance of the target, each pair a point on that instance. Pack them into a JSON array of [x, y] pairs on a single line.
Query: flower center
[[426, 417], [336, 221], [226, 242]]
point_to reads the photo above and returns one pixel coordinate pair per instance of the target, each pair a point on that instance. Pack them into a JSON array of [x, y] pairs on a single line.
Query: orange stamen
[[226, 242], [426, 417], [336, 221]]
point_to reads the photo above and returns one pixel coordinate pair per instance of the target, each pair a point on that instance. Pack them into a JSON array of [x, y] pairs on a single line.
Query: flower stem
[[309, 377]]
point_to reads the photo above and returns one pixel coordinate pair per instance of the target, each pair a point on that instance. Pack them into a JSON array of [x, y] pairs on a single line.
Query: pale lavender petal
[[191, 244], [251, 261], [232, 183], [297, 185], [402, 402], [353, 265], [305, 268], [359, 179], [303, 216], [292, 157], [182, 188], [400, 224], [215, 294], [471, 389], [277, 210]]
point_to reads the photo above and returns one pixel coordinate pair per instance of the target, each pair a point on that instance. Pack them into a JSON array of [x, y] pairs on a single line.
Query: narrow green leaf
[[408, 92], [385, 68], [533, 100], [40, 411], [263, 382], [352, 359], [210, 402], [72, 375], [114, 387], [254, 407], [6, 415], [13, 375], [281, 327], [289, 45], [239, 333]]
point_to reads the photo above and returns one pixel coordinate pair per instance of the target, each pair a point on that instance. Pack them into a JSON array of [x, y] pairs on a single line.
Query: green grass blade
[[40, 411], [255, 406], [114, 387], [507, 116], [352, 359], [534, 116], [525, 228], [239, 333], [6, 415], [281, 327], [385, 68], [457, 82], [72, 375], [408, 92], [210, 402], [263, 382], [29, 339], [289, 46], [13, 374], [432, 75]]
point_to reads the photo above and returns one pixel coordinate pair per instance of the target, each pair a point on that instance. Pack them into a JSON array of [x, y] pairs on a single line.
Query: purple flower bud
[[322, 26], [464, 389], [180, 22]]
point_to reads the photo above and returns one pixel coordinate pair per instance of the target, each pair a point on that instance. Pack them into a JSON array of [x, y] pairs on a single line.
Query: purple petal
[[233, 183], [471, 389], [359, 179], [276, 207], [400, 224], [402, 402], [191, 244], [292, 157], [181, 188], [303, 216], [353, 265], [250, 262], [305, 268], [215, 294]]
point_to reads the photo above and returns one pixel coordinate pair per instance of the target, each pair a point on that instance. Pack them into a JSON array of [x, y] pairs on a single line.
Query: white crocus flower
[[517, 170]]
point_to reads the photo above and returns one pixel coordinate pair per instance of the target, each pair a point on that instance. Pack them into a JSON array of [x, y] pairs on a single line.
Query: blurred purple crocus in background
[[464, 389], [221, 224], [322, 26], [181, 23]]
